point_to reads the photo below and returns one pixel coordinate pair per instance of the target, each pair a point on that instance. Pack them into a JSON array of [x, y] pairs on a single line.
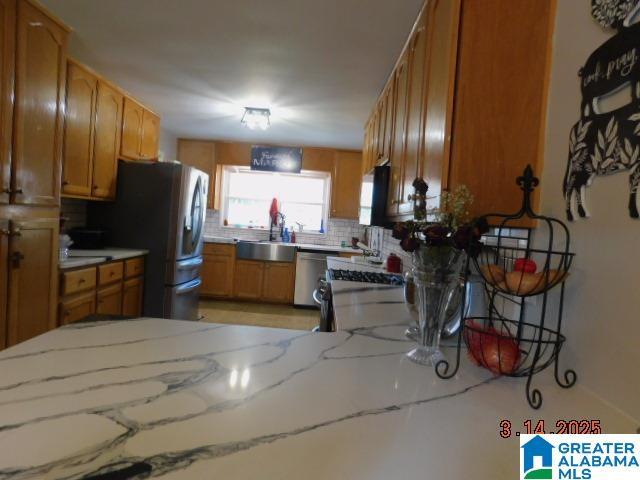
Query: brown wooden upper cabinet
[[397, 152], [7, 70], [91, 135], [82, 93], [345, 189], [40, 71], [107, 141], [467, 107], [140, 132]]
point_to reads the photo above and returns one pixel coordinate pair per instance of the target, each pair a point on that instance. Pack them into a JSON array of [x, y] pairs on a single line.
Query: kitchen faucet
[[272, 237]]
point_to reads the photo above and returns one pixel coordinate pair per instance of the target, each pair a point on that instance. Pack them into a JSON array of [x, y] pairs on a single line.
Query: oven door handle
[[188, 287]]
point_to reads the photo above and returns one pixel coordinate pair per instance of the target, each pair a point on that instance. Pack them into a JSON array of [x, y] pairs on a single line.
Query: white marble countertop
[[300, 246], [360, 264], [83, 258], [188, 400]]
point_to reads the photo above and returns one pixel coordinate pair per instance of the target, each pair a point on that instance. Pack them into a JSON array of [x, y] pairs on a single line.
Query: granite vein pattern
[[154, 398]]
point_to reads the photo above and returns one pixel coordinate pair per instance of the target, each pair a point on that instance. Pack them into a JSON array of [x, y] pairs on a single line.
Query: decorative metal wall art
[[607, 142]]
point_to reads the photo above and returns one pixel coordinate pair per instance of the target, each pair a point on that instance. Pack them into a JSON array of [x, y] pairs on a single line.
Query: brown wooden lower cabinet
[[132, 292], [32, 278], [217, 276], [225, 277], [77, 307], [101, 289], [247, 282], [110, 300], [278, 282]]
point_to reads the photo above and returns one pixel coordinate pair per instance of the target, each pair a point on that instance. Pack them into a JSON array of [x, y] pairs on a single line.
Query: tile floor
[[258, 314]]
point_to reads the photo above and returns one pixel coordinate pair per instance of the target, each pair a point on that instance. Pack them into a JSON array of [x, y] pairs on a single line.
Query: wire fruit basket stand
[[516, 344]]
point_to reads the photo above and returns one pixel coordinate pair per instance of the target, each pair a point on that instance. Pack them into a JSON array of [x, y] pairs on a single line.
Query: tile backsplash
[[336, 231], [75, 211]]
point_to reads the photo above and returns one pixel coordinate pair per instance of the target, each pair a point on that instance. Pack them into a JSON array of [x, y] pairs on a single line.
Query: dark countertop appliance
[[160, 207]]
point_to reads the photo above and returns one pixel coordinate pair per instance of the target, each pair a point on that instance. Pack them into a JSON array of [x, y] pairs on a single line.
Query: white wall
[[602, 320], [168, 145]]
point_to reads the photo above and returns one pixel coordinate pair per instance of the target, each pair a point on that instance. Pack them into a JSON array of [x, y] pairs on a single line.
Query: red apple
[[525, 265]]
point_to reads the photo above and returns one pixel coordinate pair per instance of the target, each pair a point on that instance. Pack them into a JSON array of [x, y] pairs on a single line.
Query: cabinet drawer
[[78, 281], [110, 273], [219, 249], [77, 308], [134, 267]]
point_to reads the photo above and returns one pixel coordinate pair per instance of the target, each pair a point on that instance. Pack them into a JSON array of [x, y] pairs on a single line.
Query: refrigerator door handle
[[188, 287], [189, 264]]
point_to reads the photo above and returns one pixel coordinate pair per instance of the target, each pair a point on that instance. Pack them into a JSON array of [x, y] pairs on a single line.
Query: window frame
[[224, 198]]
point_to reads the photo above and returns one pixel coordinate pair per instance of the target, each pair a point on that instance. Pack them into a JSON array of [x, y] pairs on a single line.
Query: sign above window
[[276, 159]]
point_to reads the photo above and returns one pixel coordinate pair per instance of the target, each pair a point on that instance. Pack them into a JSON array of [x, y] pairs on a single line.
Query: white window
[[247, 197]]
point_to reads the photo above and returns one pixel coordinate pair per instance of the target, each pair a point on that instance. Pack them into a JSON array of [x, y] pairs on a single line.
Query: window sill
[[266, 230]]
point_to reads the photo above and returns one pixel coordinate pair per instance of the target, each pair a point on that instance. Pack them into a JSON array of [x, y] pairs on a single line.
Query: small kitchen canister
[[394, 263]]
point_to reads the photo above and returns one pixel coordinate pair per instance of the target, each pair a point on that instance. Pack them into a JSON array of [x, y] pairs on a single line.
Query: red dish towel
[[273, 211]]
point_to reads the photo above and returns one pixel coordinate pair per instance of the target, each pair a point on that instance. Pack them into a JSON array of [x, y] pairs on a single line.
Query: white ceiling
[[318, 64]]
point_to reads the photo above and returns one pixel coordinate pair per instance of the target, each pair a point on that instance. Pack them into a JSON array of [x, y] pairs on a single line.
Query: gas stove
[[368, 277]]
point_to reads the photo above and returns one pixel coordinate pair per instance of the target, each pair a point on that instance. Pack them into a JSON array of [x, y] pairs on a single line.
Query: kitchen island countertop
[[193, 400]]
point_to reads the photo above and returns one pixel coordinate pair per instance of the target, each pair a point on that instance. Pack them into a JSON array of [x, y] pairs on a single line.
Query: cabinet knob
[[65, 183], [81, 281], [67, 313]]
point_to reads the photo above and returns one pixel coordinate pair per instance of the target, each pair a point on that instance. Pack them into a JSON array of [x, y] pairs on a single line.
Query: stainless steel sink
[[270, 252]]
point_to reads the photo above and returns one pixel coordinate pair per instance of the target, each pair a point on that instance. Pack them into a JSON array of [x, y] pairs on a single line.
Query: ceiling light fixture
[[254, 118]]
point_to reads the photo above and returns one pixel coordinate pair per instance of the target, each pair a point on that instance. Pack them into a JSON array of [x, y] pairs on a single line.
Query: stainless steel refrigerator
[[160, 207]]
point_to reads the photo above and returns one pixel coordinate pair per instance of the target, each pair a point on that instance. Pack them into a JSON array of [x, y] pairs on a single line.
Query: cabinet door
[[132, 292], [33, 278], [441, 79], [107, 141], [7, 69], [388, 120], [150, 135], [398, 141], [77, 157], [505, 91], [131, 129], [247, 281], [4, 281], [201, 155], [415, 101], [217, 276], [39, 107], [345, 191], [110, 300], [278, 284], [77, 308]]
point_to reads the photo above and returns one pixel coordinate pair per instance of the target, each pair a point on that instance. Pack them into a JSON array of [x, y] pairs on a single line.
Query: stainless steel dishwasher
[[310, 267]]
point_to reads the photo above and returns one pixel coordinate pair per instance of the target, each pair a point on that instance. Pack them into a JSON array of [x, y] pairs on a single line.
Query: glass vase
[[436, 274]]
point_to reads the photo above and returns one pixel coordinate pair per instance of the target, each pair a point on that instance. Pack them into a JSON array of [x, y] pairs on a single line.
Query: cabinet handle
[[95, 187], [67, 313], [65, 183], [395, 202], [16, 258], [81, 281], [9, 191], [18, 190], [15, 233]]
